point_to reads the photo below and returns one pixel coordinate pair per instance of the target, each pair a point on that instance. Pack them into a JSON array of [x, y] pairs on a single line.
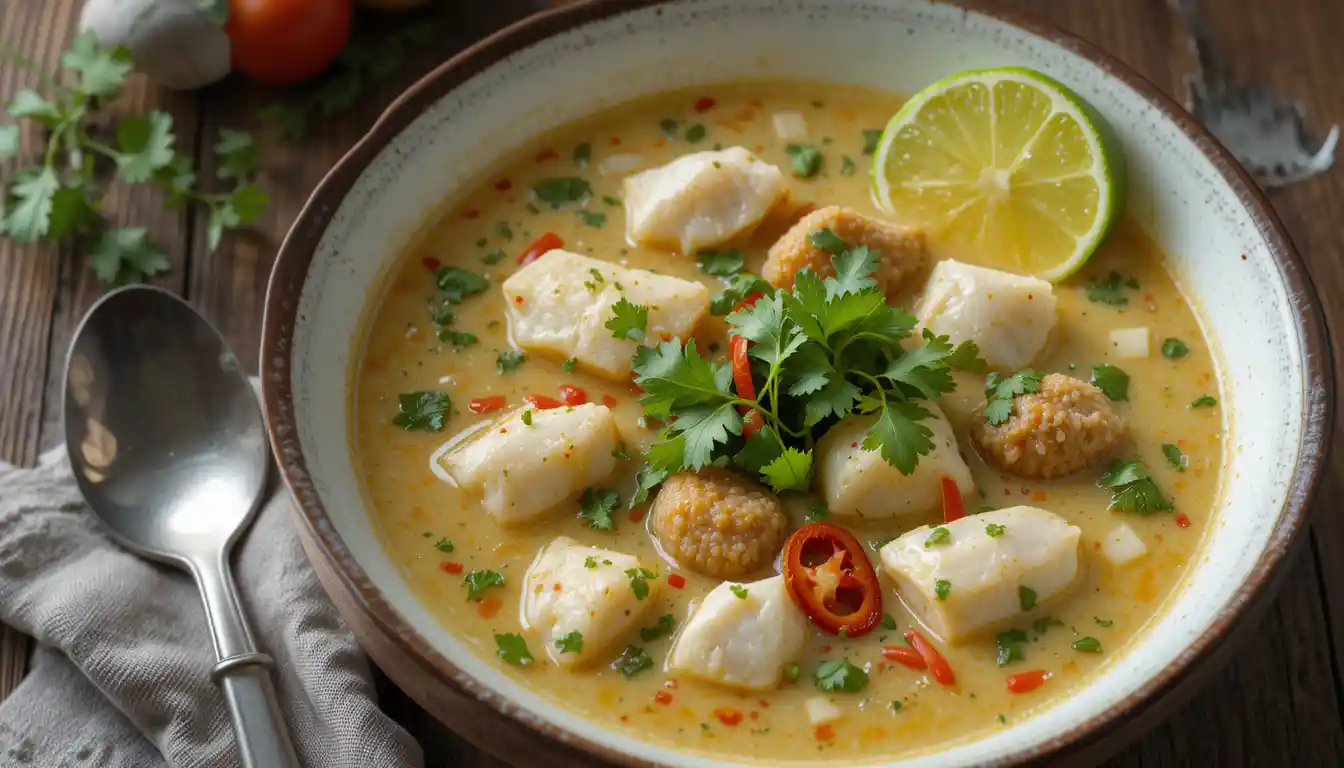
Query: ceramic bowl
[[1225, 245]]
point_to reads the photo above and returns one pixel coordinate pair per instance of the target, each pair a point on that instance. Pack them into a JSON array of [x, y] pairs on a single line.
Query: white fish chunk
[[701, 200], [741, 642], [1009, 316], [861, 483], [560, 304], [562, 595], [984, 574], [522, 471]]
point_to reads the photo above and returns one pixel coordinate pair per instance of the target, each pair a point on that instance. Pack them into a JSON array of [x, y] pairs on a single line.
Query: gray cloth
[[122, 677]]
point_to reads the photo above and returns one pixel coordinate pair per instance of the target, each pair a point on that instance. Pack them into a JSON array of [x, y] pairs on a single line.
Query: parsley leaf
[[667, 624], [1132, 489], [1174, 349], [455, 283], [570, 643], [838, 675], [1110, 290], [596, 506], [509, 359], [739, 591], [426, 411], [632, 661], [1000, 391], [628, 320], [1009, 646], [1112, 381], [806, 160], [513, 649], [30, 216], [790, 471], [478, 581], [639, 581], [721, 263], [1175, 458], [559, 192]]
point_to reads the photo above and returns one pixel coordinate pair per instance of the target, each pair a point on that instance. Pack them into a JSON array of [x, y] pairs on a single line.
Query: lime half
[[1007, 167]]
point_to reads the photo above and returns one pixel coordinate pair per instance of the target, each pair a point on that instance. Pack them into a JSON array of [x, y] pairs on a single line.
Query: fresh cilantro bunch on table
[[55, 195], [816, 353]]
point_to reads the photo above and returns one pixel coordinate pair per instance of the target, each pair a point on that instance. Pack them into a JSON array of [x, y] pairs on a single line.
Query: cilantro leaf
[[9, 141], [739, 287], [1112, 381], [1110, 290], [558, 192], [695, 133], [924, 369], [1174, 349], [126, 256], [628, 320], [596, 506], [966, 357], [70, 212], [1204, 401], [570, 643], [648, 478], [810, 370], [1009, 646], [838, 675], [145, 144], [426, 411], [852, 272], [1086, 644], [456, 283], [632, 661], [739, 591], [760, 448], [102, 71], [899, 436], [1026, 597], [594, 219], [703, 427], [790, 471], [1000, 391], [238, 158], [444, 545], [675, 376], [30, 104], [583, 152], [941, 589], [510, 359], [244, 205], [478, 581], [806, 160], [30, 216], [994, 530], [827, 241], [1175, 457], [1132, 489], [513, 649], [938, 537], [871, 136], [836, 399], [458, 339], [639, 581], [667, 624], [721, 263]]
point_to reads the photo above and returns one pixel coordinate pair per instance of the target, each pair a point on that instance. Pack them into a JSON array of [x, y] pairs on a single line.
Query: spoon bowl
[[167, 443]]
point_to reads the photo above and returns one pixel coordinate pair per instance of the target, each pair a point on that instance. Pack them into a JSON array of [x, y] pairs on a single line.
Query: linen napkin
[[122, 675]]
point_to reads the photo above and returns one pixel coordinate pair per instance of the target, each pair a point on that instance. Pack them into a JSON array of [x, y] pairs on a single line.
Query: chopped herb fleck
[[1175, 458], [994, 530], [444, 545], [870, 138], [817, 510], [846, 166], [721, 263], [569, 364], [493, 257], [806, 160], [695, 133], [509, 359], [632, 661], [1112, 381], [1174, 349], [620, 453], [639, 583], [455, 283], [669, 127], [558, 192], [888, 623], [570, 643], [738, 591], [1026, 597], [838, 675], [527, 417], [425, 411], [941, 589], [502, 229], [1204, 401], [590, 562], [596, 506], [609, 200], [513, 649], [1110, 290], [1086, 644], [478, 581], [792, 671], [594, 219], [1008, 646], [1041, 625], [896, 706], [937, 537], [628, 320], [582, 154], [667, 623], [1103, 622], [1132, 489]]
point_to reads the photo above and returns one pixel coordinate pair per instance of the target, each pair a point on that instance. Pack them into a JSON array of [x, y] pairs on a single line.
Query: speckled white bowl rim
[[1225, 245]]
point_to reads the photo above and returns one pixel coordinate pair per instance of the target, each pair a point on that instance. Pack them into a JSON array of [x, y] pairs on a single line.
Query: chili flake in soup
[[1107, 517]]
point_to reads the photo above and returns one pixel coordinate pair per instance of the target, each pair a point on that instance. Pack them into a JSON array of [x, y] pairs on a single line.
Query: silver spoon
[[166, 440]]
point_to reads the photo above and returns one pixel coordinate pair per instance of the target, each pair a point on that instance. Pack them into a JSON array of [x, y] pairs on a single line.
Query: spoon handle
[[243, 674]]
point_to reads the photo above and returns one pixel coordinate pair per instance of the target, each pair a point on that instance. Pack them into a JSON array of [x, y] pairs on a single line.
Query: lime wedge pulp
[[1007, 167]]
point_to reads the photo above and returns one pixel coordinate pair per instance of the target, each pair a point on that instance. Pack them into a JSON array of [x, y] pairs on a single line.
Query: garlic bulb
[[172, 41]]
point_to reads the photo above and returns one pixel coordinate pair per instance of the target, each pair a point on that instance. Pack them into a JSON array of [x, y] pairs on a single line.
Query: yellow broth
[[413, 510]]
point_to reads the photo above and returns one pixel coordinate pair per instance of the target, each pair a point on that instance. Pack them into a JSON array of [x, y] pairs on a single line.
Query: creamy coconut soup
[[753, 583]]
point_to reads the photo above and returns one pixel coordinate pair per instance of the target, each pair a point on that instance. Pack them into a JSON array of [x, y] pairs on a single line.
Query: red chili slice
[[746, 388], [487, 404], [573, 395], [953, 508], [676, 581], [610, 401], [542, 402], [938, 666], [1026, 682], [540, 247], [830, 579], [902, 655], [431, 263]]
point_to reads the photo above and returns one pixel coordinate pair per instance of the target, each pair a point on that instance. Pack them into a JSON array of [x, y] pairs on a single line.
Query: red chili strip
[[676, 581], [542, 402], [540, 247], [953, 508], [704, 104], [938, 666], [487, 404], [1026, 682], [572, 395], [902, 655], [431, 263]]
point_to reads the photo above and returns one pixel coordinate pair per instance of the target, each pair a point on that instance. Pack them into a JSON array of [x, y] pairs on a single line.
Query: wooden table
[[1278, 701]]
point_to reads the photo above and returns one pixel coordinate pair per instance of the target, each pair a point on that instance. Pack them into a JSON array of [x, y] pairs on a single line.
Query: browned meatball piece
[[1067, 425], [718, 523], [900, 250]]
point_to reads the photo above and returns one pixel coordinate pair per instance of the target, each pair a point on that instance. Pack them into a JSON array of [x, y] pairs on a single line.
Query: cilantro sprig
[[819, 352], [1133, 489], [1000, 391], [56, 194]]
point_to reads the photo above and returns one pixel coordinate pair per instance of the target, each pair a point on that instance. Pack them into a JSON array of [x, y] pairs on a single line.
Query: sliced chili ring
[[831, 580], [953, 507], [938, 666], [540, 247]]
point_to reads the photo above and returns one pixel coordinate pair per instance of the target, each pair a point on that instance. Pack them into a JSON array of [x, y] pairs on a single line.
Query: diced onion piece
[[790, 125], [821, 711], [1130, 342], [1122, 545], [621, 164]]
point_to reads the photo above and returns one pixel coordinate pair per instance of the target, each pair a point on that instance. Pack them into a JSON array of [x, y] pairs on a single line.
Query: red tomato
[[902, 655], [1026, 682], [830, 579], [573, 395], [542, 402], [953, 508], [286, 41], [547, 242], [487, 404], [938, 666]]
